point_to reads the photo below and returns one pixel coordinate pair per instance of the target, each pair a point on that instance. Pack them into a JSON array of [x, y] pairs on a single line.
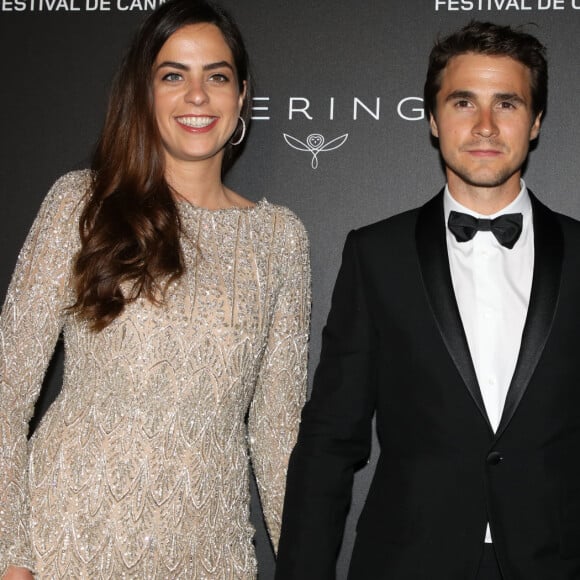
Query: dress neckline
[[188, 206]]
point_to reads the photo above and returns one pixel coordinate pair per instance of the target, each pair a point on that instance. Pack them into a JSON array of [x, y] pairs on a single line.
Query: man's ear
[[535, 130], [433, 125]]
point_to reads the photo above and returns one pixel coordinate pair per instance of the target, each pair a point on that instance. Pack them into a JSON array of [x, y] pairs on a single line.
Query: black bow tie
[[506, 228]]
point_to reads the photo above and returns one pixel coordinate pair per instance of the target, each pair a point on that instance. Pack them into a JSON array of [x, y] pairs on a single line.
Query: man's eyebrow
[[460, 94], [509, 97], [464, 94]]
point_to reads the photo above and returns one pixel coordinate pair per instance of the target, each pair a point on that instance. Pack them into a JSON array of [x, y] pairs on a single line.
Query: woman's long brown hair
[[130, 226]]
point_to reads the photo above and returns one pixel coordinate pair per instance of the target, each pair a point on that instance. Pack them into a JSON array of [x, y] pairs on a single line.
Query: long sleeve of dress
[[282, 381], [140, 467], [32, 318]]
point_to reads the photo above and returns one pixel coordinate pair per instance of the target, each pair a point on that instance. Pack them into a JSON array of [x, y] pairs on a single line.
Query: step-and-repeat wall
[[338, 135]]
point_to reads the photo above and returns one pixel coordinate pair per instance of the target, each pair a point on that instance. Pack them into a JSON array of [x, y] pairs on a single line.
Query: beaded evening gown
[[140, 467]]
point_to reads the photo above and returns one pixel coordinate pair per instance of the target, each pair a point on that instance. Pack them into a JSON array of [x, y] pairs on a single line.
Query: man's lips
[[484, 149], [484, 152]]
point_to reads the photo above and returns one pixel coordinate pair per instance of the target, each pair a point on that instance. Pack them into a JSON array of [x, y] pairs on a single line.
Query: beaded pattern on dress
[[140, 467]]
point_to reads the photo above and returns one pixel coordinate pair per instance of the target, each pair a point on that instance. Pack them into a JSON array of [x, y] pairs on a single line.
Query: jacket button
[[494, 458]]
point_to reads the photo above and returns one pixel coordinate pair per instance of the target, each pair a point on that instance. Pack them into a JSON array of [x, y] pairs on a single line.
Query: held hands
[[17, 573]]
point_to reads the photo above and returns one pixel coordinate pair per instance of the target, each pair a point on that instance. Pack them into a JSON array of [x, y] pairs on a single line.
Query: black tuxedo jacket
[[394, 345]]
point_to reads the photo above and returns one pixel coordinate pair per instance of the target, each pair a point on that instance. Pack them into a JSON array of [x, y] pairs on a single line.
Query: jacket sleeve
[[282, 379], [335, 433], [32, 318]]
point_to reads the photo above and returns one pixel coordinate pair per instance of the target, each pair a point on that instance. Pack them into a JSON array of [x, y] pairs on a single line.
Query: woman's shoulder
[[77, 182], [70, 188], [67, 195], [285, 217], [285, 233]]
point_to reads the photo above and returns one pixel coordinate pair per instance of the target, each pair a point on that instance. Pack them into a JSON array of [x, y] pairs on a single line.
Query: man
[[458, 324]]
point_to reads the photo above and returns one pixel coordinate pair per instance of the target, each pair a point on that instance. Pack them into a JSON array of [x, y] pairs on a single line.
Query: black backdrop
[[332, 69]]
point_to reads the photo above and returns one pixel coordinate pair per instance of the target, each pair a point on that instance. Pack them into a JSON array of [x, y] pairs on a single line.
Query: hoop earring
[[241, 137]]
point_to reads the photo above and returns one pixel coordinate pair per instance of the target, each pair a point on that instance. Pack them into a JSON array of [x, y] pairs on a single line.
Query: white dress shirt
[[492, 288]]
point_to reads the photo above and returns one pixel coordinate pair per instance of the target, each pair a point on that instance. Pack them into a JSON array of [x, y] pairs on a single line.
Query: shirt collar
[[521, 204]]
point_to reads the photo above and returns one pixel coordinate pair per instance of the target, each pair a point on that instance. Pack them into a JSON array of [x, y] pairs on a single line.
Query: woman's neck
[[200, 184]]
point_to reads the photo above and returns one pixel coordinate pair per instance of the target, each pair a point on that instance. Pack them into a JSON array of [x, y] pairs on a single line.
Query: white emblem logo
[[315, 144]]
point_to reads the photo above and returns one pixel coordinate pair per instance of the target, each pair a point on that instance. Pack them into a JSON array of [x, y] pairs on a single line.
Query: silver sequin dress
[[140, 468]]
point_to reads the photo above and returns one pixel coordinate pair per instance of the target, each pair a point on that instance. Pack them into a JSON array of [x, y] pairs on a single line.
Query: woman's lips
[[197, 123]]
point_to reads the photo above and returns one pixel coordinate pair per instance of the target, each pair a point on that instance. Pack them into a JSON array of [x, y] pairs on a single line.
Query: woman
[[185, 310]]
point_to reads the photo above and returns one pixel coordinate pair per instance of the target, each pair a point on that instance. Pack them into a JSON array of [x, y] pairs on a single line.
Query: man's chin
[[486, 179]]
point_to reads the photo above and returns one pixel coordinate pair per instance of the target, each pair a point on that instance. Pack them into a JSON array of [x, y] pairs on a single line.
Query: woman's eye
[[219, 77], [172, 77]]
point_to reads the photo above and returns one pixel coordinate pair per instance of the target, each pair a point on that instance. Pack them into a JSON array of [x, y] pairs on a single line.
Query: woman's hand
[[17, 573]]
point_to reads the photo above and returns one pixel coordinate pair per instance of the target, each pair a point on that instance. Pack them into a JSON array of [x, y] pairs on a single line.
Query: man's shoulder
[[570, 226], [396, 228], [567, 222]]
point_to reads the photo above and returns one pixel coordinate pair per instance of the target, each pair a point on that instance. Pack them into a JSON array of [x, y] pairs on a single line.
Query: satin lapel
[[434, 263], [548, 254]]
